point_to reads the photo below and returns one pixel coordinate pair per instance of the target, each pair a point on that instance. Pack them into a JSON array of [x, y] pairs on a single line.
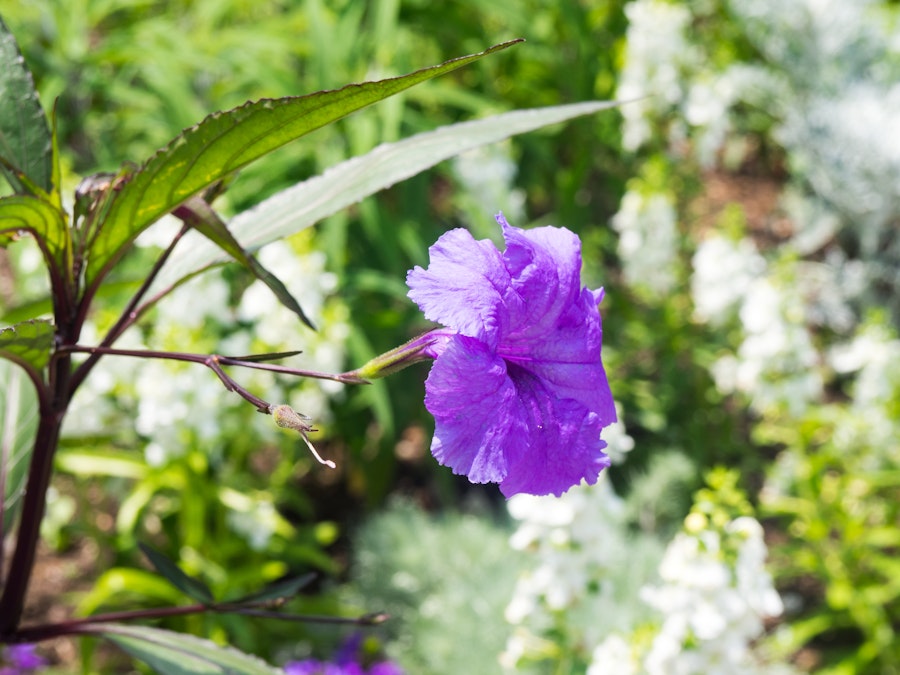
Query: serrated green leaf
[[225, 142], [192, 587], [45, 222], [206, 221], [28, 343], [307, 203], [25, 141], [18, 425], [286, 588], [178, 654]]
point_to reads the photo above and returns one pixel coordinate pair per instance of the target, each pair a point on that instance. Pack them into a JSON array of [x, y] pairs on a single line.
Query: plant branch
[[87, 625], [209, 359]]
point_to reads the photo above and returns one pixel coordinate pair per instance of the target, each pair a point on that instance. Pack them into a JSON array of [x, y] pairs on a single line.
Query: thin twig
[[85, 625], [208, 359]]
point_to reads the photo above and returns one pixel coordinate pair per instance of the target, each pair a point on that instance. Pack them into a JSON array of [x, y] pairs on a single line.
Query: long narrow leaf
[[178, 654], [206, 221], [225, 142], [306, 203], [25, 141], [192, 587], [287, 588]]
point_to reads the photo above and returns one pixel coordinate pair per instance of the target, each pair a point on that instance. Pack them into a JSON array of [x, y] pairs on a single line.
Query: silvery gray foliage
[[838, 106]]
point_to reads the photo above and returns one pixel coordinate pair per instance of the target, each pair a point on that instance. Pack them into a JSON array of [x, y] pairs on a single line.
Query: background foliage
[[743, 220]]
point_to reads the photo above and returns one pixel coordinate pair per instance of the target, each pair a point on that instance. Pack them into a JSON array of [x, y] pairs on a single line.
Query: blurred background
[[743, 219]]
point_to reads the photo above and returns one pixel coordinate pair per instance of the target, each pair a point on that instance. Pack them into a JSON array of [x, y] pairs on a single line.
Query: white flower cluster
[[834, 68], [618, 442], [723, 272], [577, 541], [874, 355], [486, 175], [713, 599], [647, 227], [777, 363], [176, 405], [655, 55], [665, 71], [574, 540]]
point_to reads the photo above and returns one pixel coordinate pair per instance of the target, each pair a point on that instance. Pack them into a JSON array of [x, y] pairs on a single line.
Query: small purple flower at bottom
[[517, 389], [316, 667], [20, 660], [348, 660], [385, 668]]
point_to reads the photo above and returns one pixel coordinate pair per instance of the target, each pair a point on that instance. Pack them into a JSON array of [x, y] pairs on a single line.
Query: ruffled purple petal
[[478, 416], [465, 287], [544, 265], [564, 443], [496, 422], [567, 359]]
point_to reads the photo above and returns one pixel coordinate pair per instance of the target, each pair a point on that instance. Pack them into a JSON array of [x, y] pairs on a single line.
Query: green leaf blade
[[188, 585], [307, 203], [25, 141], [28, 343], [287, 588], [44, 221], [225, 142], [207, 222], [178, 654]]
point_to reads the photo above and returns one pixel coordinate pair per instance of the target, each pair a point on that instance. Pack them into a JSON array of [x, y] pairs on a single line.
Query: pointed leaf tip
[[227, 141], [194, 588]]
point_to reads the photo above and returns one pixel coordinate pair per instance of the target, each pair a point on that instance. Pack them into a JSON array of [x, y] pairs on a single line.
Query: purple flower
[[316, 667], [517, 390], [21, 659], [385, 668]]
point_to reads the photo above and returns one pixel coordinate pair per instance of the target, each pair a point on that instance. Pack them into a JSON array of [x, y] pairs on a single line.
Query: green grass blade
[[225, 142], [188, 585]]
